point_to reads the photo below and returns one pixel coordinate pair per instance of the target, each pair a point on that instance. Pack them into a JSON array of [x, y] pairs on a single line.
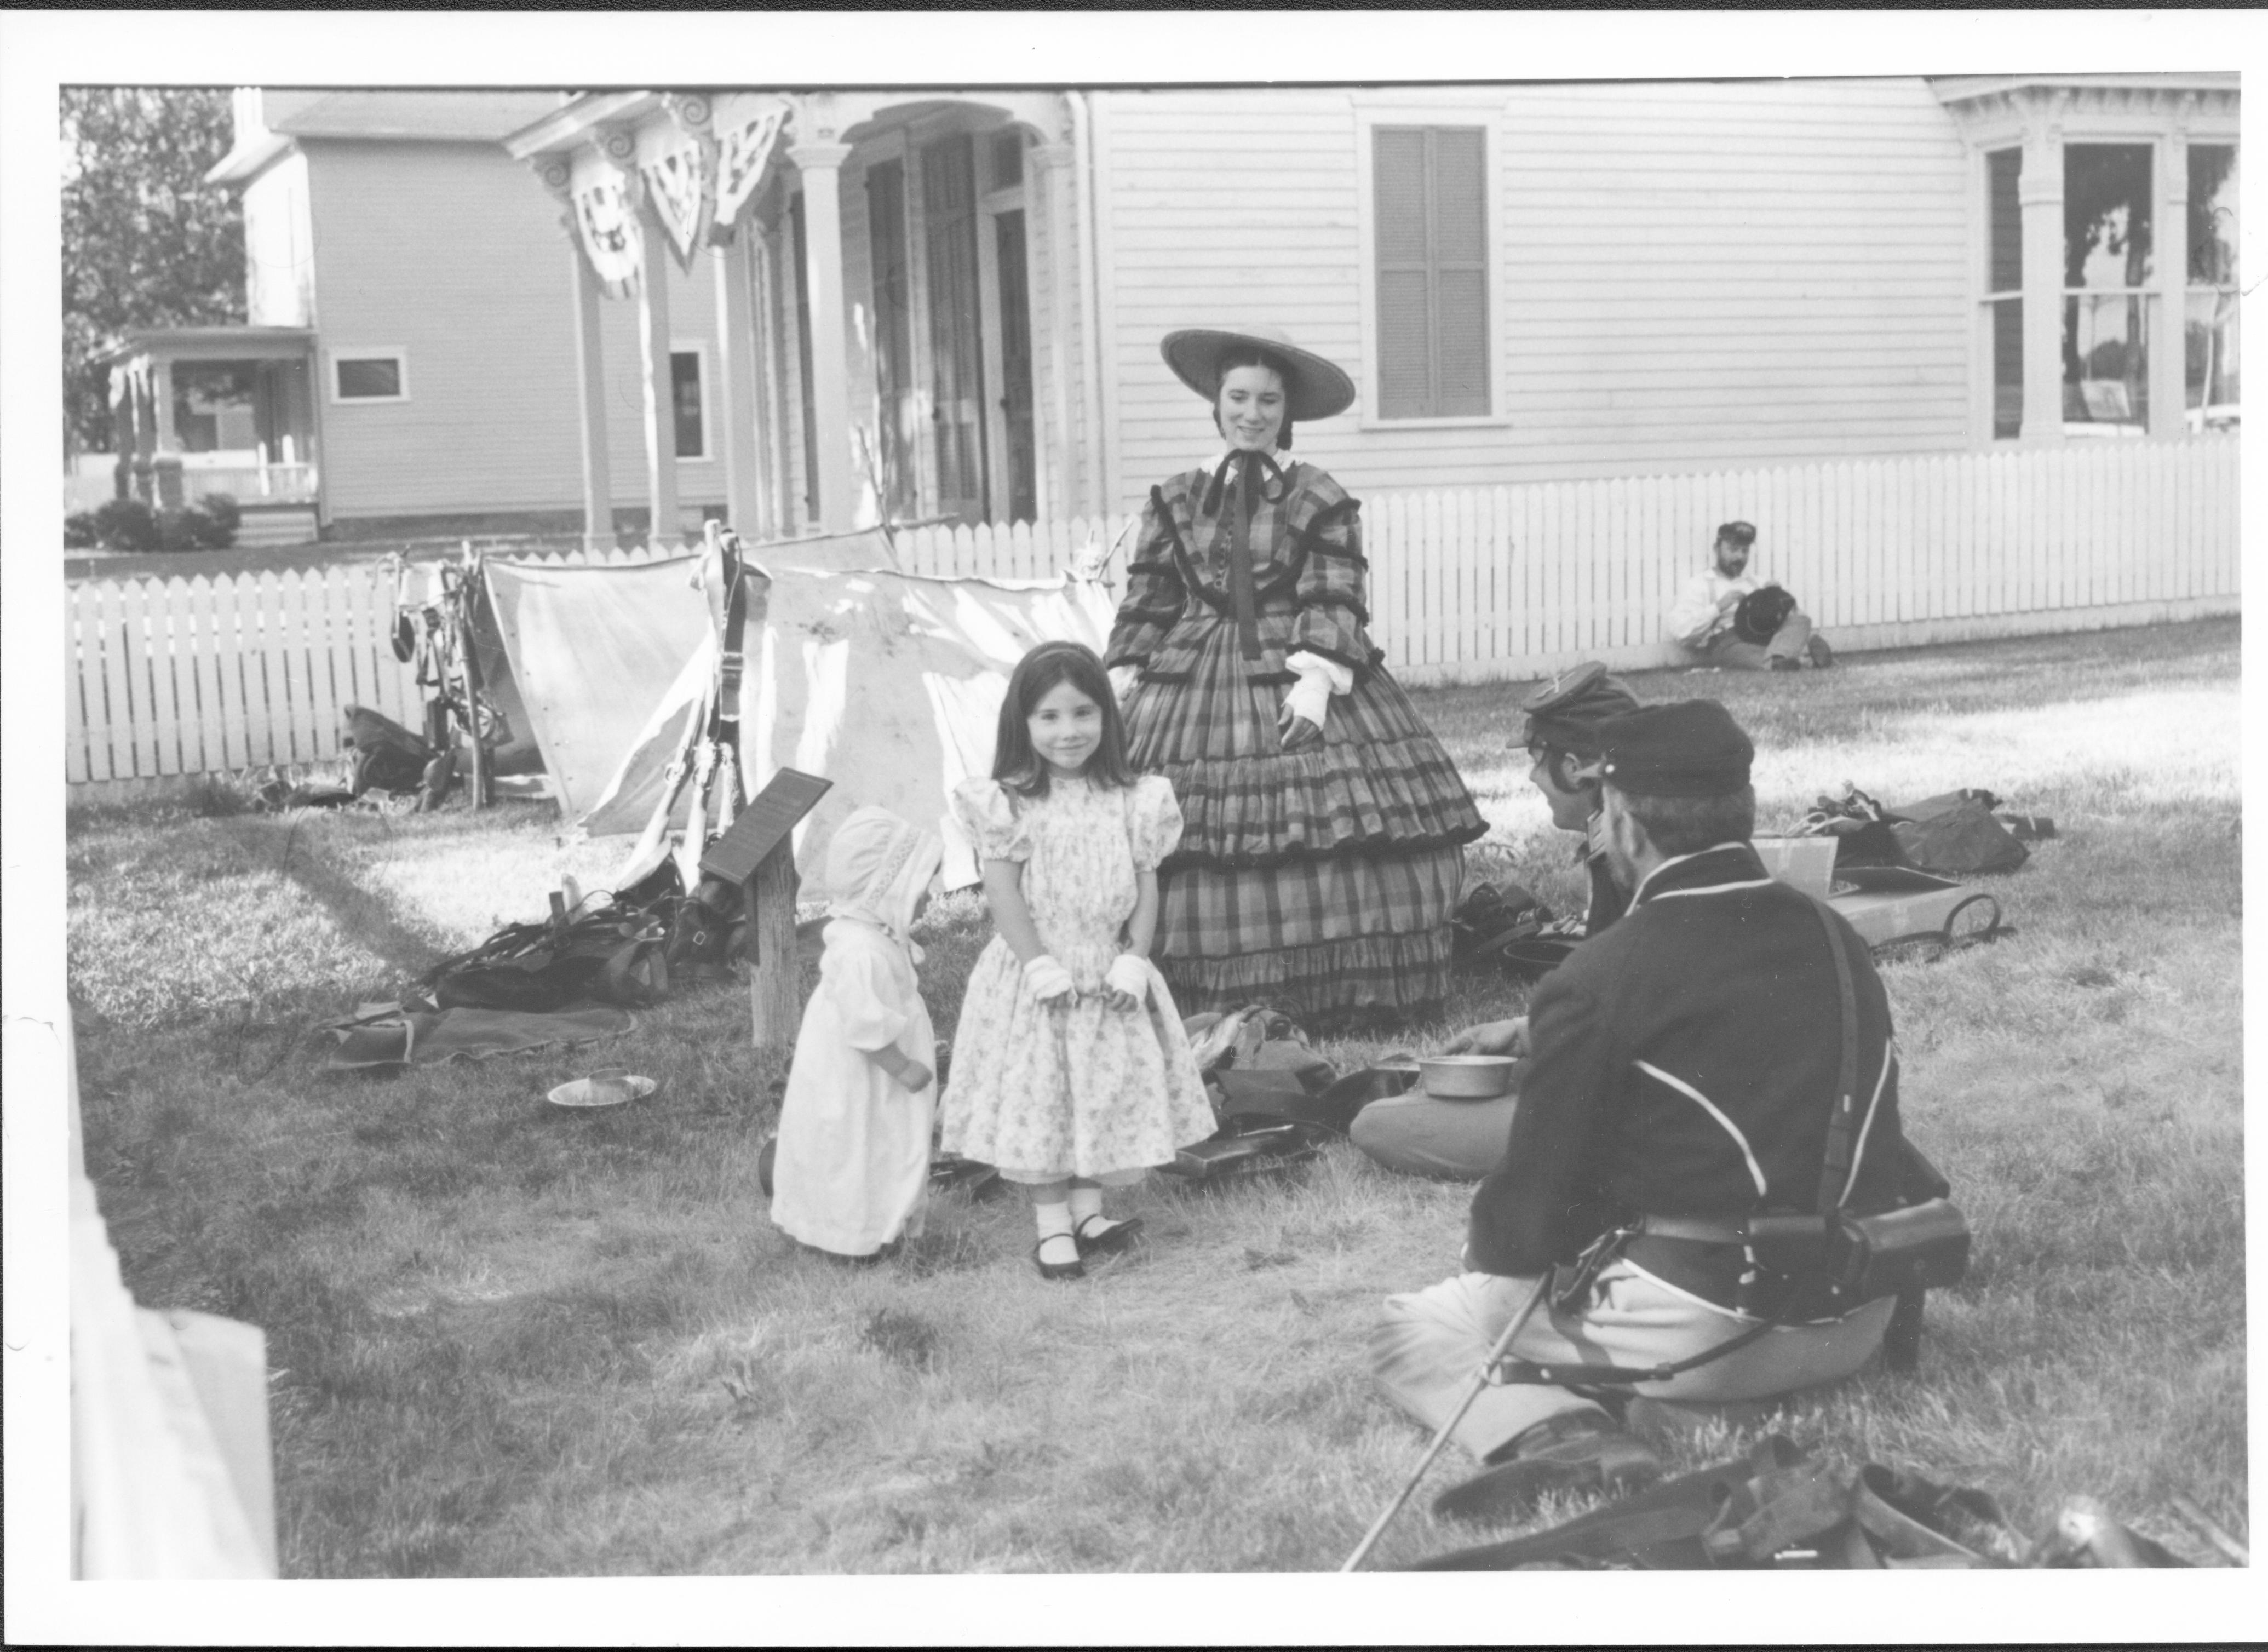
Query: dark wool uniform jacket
[[1684, 1063]]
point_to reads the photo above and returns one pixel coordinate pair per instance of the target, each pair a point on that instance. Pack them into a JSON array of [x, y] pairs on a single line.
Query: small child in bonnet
[[852, 1165]]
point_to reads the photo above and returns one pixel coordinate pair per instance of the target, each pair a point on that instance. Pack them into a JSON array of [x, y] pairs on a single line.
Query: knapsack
[[608, 954], [1954, 834], [387, 757], [1761, 614]]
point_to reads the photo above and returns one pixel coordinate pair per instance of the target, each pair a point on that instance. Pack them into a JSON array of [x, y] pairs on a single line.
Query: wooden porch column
[[654, 352], [736, 363], [821, 166], [122, 425], [1052, 164], [2039, 196], [2168, 356], [166, 461], [590, 408], [145, 431]]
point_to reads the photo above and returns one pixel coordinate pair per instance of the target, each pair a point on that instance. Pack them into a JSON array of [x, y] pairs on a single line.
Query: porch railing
[[171, 677], [251, 485], [87, 489]]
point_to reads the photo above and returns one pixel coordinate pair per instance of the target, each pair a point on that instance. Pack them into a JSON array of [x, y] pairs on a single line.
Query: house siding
[[279, 269], [454, 253], [1695, 275]]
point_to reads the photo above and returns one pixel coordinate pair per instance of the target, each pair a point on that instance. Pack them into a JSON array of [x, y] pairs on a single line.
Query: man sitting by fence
[[1727, 616]]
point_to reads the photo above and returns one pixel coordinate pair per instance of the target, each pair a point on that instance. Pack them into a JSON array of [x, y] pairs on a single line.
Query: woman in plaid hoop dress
[[1321, 854]]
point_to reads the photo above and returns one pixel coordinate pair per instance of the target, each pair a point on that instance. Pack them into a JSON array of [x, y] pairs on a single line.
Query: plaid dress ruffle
[[1320, 880]]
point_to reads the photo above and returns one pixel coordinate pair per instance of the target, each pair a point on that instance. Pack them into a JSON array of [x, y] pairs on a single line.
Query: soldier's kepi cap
[[1687, 748], [1567, 711]]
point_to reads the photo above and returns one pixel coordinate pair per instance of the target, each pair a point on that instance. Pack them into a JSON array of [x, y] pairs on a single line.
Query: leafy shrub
[[199, 526], [126, 525], [227, 515], [177, 530], [79, 531]]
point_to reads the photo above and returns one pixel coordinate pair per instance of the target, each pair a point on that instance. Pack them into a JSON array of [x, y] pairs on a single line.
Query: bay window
[[2104, 253]]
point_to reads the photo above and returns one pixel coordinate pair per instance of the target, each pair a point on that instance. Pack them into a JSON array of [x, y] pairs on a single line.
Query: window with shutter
[[1431, 217]]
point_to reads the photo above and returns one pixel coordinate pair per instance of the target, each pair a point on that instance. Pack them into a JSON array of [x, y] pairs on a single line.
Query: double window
[[1431, 269], [2110, 284]]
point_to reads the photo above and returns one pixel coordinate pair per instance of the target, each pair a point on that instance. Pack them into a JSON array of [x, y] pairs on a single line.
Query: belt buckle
[[1589, 1265]]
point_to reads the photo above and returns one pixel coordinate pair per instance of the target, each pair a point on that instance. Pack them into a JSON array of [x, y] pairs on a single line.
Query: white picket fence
[[174, 677]]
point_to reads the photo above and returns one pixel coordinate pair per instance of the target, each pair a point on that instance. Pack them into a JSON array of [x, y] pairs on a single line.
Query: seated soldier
[[1685, 1066], [1708, 622], [1415, 1133]]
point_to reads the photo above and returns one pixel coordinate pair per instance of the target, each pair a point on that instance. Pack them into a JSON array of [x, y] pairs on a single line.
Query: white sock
[[1053, 1221], [1084, 1202]]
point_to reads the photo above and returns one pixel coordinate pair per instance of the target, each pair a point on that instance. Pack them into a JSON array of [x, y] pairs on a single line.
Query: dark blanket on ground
[[423, 1037]]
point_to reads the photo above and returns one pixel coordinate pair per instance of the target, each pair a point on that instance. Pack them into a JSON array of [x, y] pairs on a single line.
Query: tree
[[146, 242]]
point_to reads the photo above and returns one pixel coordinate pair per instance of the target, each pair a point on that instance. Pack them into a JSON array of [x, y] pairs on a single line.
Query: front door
[[1016, 369], [956, 328]]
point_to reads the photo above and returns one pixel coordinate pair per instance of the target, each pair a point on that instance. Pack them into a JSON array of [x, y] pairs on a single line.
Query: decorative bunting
[[746, 150], [683, 193], [605, 223]]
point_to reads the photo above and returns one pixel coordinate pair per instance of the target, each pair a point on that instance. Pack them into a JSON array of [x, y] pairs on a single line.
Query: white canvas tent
[[888, 684]]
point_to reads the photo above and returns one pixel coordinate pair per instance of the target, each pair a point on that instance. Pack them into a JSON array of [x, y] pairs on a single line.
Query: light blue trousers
[[1431, 1341]]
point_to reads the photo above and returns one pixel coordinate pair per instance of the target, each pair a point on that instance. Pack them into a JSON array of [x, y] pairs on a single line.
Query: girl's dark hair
[[1015, 766], [1253, 355]]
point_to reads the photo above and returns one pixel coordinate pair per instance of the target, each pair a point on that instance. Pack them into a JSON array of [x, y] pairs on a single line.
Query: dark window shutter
[[1460, 271], [2003, 168], [1405, 316], [1430, 186]]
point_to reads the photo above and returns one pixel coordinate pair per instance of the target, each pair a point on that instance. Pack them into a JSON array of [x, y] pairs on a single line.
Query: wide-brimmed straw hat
[[1314, 388]]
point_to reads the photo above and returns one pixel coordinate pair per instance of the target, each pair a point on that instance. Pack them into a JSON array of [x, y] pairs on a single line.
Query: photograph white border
[[40, 51]]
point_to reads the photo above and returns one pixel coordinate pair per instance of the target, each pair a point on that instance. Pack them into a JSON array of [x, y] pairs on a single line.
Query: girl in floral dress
[[1070, 1070]]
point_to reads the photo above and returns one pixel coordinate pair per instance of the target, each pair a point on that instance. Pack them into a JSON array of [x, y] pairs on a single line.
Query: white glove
[[1046, 980], [1319, 679], [1124, 680], [1129, 975]]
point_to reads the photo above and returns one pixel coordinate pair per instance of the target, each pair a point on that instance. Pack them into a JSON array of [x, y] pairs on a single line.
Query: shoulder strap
[[1835, 1170]]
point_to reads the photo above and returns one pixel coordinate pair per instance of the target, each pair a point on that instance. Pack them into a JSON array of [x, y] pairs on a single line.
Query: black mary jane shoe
[[1072, 1270], [1115, 1238]]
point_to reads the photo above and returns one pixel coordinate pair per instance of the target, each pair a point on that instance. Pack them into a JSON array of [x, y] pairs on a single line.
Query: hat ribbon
[[1250, 490]]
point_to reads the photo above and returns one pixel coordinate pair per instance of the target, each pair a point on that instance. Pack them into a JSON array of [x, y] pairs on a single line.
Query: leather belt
[[1698, 1229]]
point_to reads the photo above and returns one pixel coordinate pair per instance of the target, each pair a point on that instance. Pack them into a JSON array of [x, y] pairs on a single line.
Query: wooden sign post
[[758, 855], [774, 979]]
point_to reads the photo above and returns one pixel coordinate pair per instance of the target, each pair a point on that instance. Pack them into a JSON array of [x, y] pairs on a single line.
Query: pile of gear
[[1955, 834], [567, 979], [1778, 1510], [1509, 931]]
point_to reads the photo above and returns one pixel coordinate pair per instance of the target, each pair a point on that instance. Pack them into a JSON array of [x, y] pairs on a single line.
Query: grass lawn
[[511, 1341]]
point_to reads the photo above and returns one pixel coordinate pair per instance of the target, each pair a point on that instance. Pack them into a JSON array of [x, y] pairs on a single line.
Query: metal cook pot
[[1465, 1078]]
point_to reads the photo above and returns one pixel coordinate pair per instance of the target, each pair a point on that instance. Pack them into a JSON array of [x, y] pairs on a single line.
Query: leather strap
[[1842, 1126], [728, 611], [1699, 1229]]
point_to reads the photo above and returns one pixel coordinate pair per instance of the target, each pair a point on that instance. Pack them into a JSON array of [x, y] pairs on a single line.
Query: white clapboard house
[[947, 304], [1964, 349]]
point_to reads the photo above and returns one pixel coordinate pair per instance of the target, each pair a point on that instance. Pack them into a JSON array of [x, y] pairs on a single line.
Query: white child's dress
[[852, 1169], [1079, 1089]]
